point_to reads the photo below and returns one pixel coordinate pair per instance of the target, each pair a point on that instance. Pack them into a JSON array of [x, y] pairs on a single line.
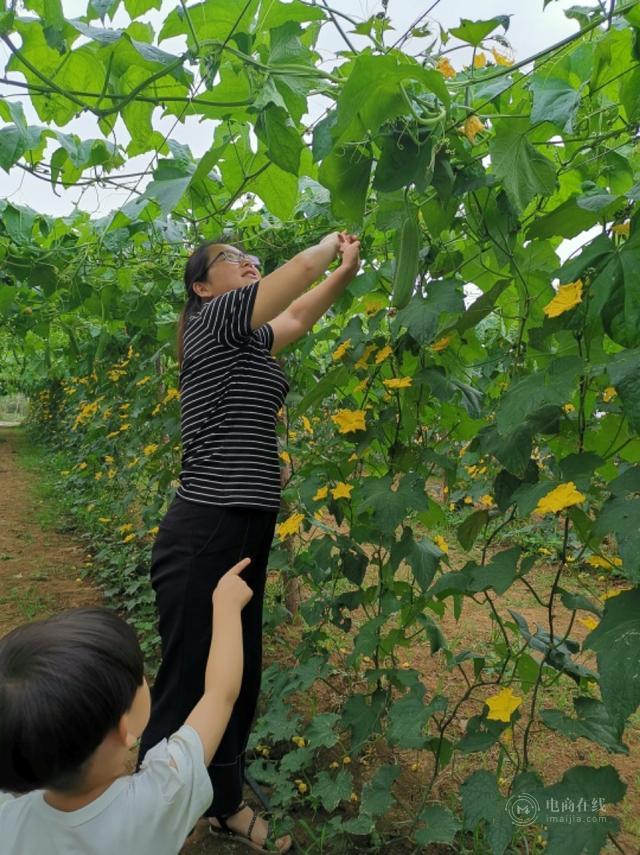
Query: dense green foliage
[[532, 390]]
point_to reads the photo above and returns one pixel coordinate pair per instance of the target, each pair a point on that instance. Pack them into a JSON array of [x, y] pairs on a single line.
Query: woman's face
[[229, 268]]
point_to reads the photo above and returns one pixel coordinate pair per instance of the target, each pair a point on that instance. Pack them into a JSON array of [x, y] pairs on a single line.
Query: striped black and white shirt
[[231, 389]]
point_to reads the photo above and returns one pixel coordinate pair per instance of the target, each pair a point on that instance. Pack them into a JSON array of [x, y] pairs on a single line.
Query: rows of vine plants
[[421, 410]]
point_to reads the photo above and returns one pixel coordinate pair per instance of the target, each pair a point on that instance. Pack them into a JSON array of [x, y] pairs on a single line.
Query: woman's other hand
[[350, 251]]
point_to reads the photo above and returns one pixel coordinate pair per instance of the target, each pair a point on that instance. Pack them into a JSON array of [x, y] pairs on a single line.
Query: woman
[[231, 389]]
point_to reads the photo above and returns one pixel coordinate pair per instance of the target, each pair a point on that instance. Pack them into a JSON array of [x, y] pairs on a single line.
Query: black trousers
[[195, 546]]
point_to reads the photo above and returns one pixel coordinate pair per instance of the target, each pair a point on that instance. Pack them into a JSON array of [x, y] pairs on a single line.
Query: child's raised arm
[[210, 716]]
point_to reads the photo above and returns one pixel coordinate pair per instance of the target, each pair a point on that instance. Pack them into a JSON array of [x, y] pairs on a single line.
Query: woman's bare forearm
[[310, 307], [278, 289]]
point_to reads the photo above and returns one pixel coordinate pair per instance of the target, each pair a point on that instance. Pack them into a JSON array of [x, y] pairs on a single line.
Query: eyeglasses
[[234, 258]]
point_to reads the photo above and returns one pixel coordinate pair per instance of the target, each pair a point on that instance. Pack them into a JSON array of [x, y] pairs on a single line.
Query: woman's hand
[[350, 251]]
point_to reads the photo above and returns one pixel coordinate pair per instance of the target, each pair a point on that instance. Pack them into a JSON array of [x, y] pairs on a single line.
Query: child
[[73, 701]]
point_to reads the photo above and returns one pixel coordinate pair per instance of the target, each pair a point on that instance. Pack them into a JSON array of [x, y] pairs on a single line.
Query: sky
[[530, 30]]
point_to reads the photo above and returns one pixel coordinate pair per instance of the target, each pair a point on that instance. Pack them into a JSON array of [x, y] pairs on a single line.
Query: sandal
[[226, 831]]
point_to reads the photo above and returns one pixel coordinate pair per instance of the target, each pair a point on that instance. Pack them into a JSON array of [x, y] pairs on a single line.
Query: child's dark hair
[[65, 683]]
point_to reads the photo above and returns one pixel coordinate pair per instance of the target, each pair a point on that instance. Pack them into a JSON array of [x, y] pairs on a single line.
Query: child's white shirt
[[148, 813]]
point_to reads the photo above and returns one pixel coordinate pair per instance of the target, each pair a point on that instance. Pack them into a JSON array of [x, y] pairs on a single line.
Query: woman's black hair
[[65, 683], [194, 271]]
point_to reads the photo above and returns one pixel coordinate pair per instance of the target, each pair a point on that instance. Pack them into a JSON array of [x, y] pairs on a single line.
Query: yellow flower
[[374, 304], [567, 297], [500, 58], [148, 450], [479, 60], [284, 456], [155, 410], [441, 344], [112, 434], [611, 592], [290, 526], [306, 424], [125, 406], [133, 463], [143, 381], [111, 474], [445, 68], [472, 127], [321, 493], [486, 501], [622, 229], [82, 465], [589, 622], [154, 529], [608, 394], [342, 490], [64, 471], [346, 760], [354, 797], [104, 519], [98, 476], [340, 351], [362, 385], [108, 459], [441, 543], [563, 496], [568, 408], [128, 538], [382, 354], [302, 787], [398, 382], [369, 349], [299, 741], [349, 421], [125, 527], [468, 500], [334, 765], [172, 394], [604, 562], [502, 705], [125, 426]]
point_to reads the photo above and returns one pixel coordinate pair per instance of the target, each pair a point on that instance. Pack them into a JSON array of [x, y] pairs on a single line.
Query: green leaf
[[372, 93], [281, 138], [619, 515], [624, 373], [586, 789], [361, 715], [481, 734], [390, 507], [135, 8], [469, 530], [436, 825], [345, 173], [593, 722], [408, 717], [422, 316], [332, 791], [483, 802], [616, 641], [321, 732], [473, 32], [567, 220], [555, 101], [522, 169], [377, 797]]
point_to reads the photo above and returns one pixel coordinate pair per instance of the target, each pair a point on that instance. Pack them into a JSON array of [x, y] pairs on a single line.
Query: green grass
[[29, 602]]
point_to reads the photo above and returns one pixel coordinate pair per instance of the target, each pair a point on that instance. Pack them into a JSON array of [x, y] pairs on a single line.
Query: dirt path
[[39, 566]]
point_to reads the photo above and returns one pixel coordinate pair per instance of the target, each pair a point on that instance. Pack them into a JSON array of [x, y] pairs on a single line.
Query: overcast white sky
[[530, 31]]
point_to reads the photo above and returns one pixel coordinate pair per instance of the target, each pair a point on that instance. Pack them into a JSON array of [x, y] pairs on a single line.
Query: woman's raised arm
[[279, 288]]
